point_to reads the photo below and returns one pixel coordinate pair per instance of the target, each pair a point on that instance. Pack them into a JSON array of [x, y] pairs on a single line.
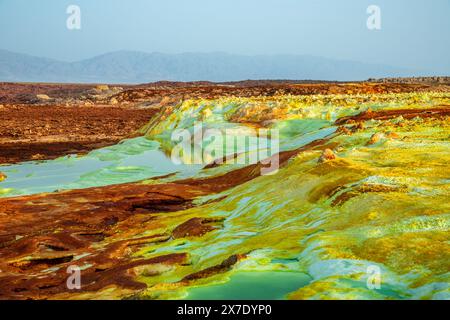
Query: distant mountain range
[[139, 67]]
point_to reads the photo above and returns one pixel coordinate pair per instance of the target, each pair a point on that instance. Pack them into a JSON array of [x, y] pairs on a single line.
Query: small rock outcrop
[[392, 135], [327, 155], [375, 138], [102, 87], [43, 97]]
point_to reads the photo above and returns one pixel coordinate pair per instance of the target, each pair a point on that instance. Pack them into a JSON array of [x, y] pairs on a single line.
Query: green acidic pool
[[252, 285], [131, 160]]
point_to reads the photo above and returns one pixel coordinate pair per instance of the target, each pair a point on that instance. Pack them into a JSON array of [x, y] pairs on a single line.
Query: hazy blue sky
[[415, 33]]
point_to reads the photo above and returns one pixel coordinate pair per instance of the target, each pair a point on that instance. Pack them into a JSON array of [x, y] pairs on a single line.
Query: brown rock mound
[[327, 155]]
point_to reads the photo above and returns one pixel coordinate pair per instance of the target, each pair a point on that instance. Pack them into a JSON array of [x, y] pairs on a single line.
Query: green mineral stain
[[252, 285]]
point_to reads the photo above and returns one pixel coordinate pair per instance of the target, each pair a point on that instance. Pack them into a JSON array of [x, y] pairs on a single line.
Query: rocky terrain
[[47, 132], [431, 80], [362, 183], [44, 121]]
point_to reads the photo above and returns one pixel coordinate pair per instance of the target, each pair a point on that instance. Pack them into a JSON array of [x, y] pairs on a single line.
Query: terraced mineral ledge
[[363, 184]]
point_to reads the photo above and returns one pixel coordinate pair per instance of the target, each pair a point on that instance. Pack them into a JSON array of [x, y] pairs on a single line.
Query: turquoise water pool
[[139, 159], [252, 285], [131, 160]]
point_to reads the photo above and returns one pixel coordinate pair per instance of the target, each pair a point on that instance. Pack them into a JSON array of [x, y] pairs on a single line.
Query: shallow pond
[[131, 160], [252, 285]]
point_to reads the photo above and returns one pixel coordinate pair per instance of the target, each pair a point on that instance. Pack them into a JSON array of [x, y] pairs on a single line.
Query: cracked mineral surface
[[86, 180]]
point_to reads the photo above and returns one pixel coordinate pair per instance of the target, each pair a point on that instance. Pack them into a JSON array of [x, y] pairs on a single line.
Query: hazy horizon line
[[206, 53], [407, 72]]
